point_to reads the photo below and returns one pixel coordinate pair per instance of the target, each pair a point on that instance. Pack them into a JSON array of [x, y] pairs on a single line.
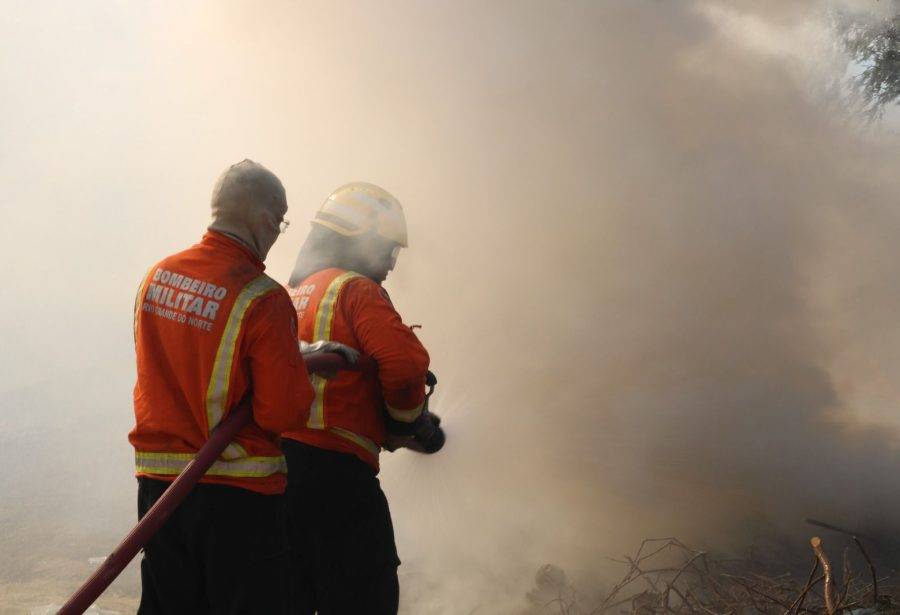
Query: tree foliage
[[874, 45]]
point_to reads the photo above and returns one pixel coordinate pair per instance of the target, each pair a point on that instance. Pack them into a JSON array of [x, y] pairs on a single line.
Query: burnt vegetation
[[665, 576]]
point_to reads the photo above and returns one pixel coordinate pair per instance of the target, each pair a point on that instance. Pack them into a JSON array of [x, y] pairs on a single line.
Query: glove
[[424, 435], [427, 432], [351, 355], [393, 442]]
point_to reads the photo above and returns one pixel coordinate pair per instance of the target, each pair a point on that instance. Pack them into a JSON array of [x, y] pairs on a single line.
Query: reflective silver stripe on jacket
[[362, 441], [166, 464], [324, 319], [220, 379]]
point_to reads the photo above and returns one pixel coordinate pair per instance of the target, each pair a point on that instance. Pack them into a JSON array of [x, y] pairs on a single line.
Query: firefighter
[[338, 518], [210, 327]]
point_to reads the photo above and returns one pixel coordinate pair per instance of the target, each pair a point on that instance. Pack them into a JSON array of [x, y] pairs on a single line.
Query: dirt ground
[[40, 597]]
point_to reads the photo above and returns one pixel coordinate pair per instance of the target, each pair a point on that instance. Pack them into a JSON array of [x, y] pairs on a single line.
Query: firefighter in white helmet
[[367, 227], [339, 520]]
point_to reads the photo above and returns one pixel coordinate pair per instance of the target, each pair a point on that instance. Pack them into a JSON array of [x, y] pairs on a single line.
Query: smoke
[[656, 296], [654, 261]]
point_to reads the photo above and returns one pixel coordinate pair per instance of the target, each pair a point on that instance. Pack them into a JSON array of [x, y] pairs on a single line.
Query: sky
[[654, 261]]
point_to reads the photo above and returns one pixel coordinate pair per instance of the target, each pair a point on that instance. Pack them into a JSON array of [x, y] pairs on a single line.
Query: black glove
[[427, 432], [424, 435]]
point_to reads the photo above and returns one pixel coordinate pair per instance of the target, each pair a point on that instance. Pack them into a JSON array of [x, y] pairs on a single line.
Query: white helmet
[[357, 208]]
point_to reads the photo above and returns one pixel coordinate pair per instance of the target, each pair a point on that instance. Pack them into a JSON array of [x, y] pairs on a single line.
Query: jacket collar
[[232, 246]]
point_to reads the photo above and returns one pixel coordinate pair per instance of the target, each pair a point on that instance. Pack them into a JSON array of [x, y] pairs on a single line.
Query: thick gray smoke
[[654, 260]]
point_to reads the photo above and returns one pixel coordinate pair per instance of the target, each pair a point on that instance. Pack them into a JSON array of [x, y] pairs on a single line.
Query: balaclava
[[248, 204]]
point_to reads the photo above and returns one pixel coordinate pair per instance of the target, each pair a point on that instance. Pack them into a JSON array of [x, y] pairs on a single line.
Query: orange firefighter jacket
[[347, 414], [208, 326]]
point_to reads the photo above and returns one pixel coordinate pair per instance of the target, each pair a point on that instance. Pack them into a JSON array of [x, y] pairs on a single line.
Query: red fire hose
[[220, 437]]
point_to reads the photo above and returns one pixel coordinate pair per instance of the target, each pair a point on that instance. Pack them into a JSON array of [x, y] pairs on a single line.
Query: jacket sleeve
[[401, 358], [282, 394]]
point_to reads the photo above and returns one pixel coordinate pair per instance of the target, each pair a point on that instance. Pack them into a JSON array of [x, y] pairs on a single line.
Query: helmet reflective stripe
[[357, 208], [359, 212], [219, 381], [168, 464]]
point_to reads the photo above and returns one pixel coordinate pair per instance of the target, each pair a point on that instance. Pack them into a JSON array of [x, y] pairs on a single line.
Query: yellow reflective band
[[217, 392], [139, 299], [167, 464], [322, 331], [325, 311], [362, 441], [317, 410], [405, 416]]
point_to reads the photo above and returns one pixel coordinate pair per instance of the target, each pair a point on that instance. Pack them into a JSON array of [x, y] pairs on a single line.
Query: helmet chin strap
[[395, 253]]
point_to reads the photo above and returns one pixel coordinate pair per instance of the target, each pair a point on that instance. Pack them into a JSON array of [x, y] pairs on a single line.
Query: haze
[[655, 262]]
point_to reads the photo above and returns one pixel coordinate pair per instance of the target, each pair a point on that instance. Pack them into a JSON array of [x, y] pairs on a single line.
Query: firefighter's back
[[211, 328], [196, 312]]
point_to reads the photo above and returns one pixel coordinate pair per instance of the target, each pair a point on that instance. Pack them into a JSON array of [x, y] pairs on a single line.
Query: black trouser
[[223, 551], [341, 534]]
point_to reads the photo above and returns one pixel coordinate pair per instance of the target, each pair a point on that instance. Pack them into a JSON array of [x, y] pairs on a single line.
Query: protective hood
[[248, 204]]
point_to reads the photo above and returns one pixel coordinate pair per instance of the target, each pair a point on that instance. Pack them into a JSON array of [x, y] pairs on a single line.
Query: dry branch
[[666, 577], [816, 543]]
